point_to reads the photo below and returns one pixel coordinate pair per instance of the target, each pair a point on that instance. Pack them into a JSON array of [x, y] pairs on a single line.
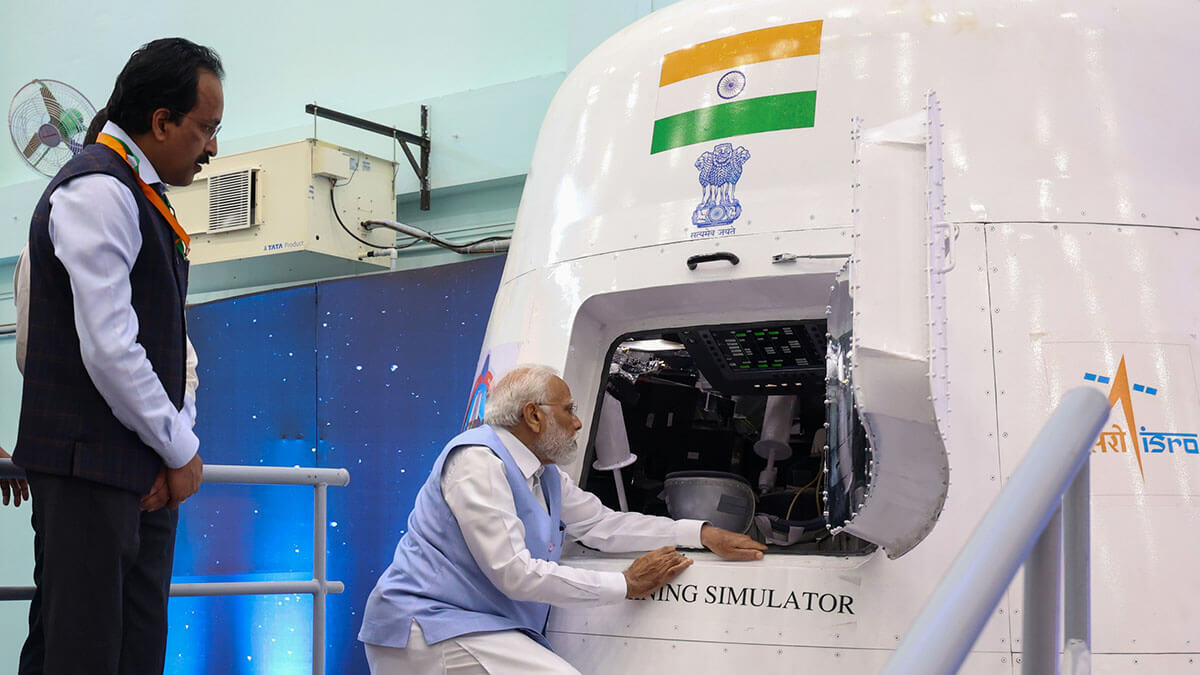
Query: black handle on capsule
[[710, 257]]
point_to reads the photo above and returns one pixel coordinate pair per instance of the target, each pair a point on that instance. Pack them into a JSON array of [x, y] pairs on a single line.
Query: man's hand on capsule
[[730, 545]]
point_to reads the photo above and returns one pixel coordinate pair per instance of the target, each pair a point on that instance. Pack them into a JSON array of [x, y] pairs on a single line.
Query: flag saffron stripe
[[756, 46], [767, 113]]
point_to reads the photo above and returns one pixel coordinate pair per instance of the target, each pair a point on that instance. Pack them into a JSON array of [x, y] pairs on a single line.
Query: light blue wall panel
[[354, 55]]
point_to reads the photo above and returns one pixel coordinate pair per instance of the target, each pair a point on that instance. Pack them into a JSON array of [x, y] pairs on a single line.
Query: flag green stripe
[[766, 113]]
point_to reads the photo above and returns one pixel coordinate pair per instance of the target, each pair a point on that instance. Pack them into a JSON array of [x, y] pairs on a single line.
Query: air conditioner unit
[[265, 216]]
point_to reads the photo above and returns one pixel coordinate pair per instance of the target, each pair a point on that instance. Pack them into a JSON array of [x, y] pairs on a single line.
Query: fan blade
[[37, 164], [52, 105], [32, 147]]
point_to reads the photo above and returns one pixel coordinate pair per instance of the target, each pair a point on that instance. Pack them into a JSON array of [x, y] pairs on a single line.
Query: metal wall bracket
[[404, 138]]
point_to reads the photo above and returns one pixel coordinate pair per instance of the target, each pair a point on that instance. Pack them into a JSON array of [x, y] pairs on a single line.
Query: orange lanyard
[[182, 240]]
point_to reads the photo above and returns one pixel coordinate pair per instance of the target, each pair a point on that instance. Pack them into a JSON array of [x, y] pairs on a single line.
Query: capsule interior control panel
[[757, 358]]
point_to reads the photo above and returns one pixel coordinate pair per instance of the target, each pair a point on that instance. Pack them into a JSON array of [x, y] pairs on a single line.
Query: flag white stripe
[[780, 76]]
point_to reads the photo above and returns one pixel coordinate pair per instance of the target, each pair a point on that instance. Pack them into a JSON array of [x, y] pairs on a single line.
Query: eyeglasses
[[569, 406], [211, 129]]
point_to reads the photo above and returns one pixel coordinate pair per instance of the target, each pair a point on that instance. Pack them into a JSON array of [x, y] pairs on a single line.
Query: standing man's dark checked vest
[[66, 426]]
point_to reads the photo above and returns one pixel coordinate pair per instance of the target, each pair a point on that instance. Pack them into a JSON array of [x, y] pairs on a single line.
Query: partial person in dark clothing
[[15, 490]]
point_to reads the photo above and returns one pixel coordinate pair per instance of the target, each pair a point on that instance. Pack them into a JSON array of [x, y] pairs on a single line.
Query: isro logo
[[1143, 442]]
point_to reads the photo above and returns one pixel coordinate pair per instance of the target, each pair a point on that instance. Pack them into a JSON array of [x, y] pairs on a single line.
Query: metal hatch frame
[[892, 297]]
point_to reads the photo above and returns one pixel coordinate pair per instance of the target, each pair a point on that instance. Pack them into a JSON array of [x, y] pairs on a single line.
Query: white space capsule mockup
[[917, 223]]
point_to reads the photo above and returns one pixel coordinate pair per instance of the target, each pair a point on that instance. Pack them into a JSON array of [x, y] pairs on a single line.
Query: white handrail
[[961, 605], [318, 586]]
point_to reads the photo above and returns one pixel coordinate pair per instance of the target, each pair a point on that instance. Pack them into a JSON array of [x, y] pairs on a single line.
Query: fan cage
[[47, 121]]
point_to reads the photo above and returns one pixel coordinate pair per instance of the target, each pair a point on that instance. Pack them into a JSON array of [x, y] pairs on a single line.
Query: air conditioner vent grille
[[231, 201]]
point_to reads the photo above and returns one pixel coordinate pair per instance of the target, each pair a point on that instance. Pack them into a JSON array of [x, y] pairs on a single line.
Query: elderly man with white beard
[[473, 578]]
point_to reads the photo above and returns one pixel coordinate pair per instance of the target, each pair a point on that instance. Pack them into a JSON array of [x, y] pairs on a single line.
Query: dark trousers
[[102, 568]]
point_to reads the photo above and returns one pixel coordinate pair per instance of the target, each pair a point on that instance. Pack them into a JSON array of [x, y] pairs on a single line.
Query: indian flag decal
[[763, 80]]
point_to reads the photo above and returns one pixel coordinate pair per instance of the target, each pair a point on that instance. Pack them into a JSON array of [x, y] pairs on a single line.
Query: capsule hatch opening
[[728, 423]]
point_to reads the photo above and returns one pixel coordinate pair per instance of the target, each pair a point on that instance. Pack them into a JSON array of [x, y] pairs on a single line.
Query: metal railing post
[[319, 524], [1077, 582], [1039, 627]]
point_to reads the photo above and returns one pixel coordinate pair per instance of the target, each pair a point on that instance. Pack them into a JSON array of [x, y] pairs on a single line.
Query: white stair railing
[[318, 587], [1043, 509]]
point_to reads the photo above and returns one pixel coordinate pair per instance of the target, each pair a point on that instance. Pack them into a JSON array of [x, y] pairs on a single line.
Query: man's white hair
[[524, 383]]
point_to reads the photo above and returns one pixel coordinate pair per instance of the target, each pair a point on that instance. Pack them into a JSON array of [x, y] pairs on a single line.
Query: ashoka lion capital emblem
[[719, 174]]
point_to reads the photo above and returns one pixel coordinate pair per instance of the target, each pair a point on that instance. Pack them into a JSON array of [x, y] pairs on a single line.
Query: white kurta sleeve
[[478, 494], [598, 526]]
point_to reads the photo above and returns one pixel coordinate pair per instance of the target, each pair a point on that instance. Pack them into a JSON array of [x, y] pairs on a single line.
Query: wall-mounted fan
[[48, 120]]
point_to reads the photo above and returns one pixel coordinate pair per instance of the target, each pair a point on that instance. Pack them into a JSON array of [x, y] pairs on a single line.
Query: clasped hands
[[173, 486]]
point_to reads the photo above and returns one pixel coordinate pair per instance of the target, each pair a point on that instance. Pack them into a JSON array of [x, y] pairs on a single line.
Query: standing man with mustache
[[105, 432], [471, 584]]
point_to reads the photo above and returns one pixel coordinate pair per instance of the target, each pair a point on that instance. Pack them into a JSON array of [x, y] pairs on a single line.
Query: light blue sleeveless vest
[[433, 578]]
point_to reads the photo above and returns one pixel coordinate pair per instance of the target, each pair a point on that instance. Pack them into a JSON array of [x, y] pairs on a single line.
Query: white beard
[[557, 444]]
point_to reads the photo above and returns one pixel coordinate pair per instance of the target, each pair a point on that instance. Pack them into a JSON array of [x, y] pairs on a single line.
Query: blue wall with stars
[[371, 374]]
